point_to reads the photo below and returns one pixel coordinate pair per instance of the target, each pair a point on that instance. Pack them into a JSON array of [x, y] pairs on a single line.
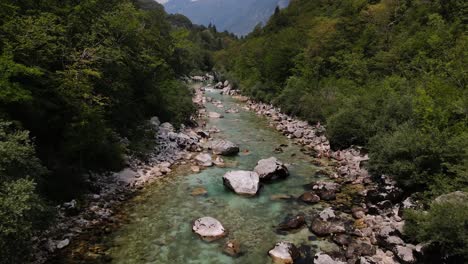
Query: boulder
[[242, 182], [204, 159], [322, 227], [359, 248], [405, 254], [327, 223], [284, 252], [271, 169], [292, 223], [310, 198], [208, 228], [224, 147]]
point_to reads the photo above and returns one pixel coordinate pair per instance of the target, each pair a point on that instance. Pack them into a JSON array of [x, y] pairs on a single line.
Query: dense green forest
[[389, 75], [76, 79]]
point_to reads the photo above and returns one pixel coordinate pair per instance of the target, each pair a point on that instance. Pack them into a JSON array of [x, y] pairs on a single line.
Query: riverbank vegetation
[[78, 79], [388, 75]]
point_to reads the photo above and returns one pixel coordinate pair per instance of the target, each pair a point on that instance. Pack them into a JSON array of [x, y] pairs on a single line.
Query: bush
[[444, 226]]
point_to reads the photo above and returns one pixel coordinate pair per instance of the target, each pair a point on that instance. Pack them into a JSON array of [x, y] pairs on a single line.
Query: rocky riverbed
[[286, 195]]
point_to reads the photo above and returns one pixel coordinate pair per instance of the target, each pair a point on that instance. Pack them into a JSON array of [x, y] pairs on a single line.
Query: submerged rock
[[284, 253], [208, 228], [242, 182], [292, 223], [310, 198], [215, 115], [232, 248], [271, 169], [224, 147]]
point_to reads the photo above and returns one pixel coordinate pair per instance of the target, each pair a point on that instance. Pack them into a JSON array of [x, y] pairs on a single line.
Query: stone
[[195, 169], [405, 254], [214, 115], [232, 248], [342, 239], [63, 243], [310, 198], [242, 182], [271, 169], [198, 191], [359, 248], [457, 196], [327, 213], [204, 159], [276, 197], [322, 258], [284, 252], [224, 147], [292, 223], [322, 227], [209, 229]]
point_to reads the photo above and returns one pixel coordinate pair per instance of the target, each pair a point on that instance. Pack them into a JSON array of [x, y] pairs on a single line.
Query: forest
[[387, 75], [78, 80]]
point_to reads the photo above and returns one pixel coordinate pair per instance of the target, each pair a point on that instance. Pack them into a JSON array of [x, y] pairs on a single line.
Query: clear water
[[159, 230]]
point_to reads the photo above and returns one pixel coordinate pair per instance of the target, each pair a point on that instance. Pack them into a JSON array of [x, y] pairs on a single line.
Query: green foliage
[[387, 75], [444, 226], [20, 206]]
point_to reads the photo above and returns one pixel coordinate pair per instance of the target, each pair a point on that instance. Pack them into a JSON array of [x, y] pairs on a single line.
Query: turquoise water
[[160, 220]]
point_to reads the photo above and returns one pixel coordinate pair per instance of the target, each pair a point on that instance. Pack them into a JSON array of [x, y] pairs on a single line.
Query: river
[[160, 219]]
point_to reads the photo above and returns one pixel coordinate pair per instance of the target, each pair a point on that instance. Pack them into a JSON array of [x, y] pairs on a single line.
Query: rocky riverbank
[[364, 213]]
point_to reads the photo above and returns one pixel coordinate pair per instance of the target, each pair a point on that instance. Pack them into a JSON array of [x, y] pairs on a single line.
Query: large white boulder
[[271, 169], [208, 228], [242, 182]]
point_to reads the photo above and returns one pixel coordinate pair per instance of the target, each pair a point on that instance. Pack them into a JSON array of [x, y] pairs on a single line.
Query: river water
[[160, 219]]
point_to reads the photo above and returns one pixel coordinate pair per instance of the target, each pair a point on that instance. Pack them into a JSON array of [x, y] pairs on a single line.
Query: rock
[[224, 147], [292, 223], [219, 162], [198, 191], [327, 213], [208, 228], [226, 83], [271, 169], [204, 159], [284, 253], [342, 239], [457, 196], [310, 198], [277, 197], [358, 212], [154, 121], [214, 115], [242, 182], [195, 169], [326, 195], [63, 243], [166, 128], [322, 227], [321, 258], [359, 248], [232, 248], [405, 254]]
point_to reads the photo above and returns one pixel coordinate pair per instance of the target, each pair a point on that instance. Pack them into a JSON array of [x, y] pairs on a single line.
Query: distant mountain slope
[[239, 17]]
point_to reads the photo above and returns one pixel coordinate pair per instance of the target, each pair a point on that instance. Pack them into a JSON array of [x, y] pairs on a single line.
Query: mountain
[[239, 17]]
